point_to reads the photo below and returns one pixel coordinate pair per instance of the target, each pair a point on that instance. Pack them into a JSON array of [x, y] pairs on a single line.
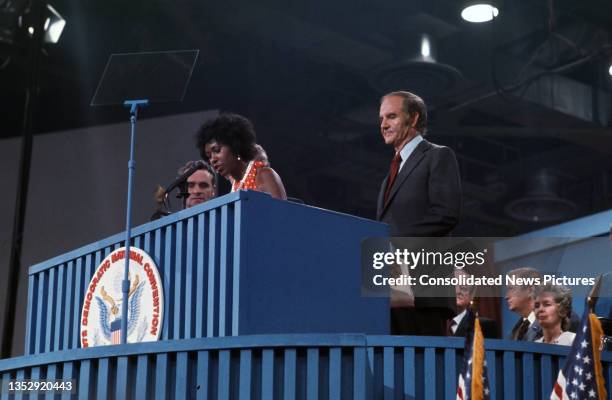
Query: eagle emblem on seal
[[109, 309]]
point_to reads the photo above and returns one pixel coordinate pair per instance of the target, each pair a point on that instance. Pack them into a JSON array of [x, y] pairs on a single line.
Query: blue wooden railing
[[333, 366]]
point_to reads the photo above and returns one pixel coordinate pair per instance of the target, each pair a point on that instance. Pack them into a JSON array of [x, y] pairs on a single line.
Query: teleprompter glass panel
[[154, 76]]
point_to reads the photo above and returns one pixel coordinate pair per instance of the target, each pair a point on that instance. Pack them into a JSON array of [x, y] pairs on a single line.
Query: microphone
[[178, 181]]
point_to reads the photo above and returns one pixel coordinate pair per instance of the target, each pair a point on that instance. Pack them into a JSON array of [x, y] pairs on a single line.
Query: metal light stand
[[125, 286]]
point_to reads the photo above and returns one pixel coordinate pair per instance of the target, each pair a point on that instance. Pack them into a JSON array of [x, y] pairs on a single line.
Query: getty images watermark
[[428, 265]]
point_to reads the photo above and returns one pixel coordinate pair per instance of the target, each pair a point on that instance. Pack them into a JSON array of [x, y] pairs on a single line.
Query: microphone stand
[[125, 285]]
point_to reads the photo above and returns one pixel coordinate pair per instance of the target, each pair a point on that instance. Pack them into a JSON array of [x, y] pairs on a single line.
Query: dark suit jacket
[[489, 328], [533, 333], [425, 201]]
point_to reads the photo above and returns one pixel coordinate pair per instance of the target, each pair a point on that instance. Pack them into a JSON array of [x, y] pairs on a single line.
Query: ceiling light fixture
[[425, 47], [481, 11]]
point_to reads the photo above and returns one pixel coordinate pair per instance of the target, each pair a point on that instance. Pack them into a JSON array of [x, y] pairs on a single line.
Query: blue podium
[[241, 264]]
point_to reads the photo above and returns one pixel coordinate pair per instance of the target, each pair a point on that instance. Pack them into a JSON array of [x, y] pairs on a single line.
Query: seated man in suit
[[459, 325], [521, 299]]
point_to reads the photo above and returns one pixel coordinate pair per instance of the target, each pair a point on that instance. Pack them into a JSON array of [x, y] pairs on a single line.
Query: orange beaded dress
[[249, 180]]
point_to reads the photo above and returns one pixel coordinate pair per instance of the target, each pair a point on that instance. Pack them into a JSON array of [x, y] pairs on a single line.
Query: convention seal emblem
[[101, 312]]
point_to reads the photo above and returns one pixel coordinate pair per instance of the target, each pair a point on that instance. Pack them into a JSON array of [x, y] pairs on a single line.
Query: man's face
[[463, 297], [396, 126], [519, 299], [200, 188]]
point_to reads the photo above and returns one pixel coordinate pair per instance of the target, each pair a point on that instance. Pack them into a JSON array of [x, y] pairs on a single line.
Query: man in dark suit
[[459, 325], [421, 197], [520, 299]]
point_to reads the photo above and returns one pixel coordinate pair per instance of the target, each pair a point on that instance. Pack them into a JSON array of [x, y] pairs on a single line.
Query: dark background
[[310, 74], [525, 101]]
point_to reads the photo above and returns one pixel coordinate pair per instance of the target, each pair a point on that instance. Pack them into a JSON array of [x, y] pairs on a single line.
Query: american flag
[[116, 331], [473, 381], [582, 376]]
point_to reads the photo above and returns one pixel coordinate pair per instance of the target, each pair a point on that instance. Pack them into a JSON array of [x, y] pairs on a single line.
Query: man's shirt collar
[[531, 317], [459, 317], [409, 147]]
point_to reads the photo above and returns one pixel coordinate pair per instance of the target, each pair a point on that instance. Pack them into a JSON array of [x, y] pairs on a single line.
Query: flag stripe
[[116, 331], [116, 337], [558, 392], [460, 388]]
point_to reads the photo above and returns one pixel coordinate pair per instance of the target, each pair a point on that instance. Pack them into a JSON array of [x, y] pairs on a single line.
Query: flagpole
[[594, 294], [474, 303], [584, 358]]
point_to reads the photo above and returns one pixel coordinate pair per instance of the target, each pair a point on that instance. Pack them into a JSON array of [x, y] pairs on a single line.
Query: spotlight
[[480, 11], [54, 25], [610, 70]]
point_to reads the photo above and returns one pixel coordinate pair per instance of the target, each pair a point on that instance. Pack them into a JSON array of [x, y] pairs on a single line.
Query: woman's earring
[[238, 158]]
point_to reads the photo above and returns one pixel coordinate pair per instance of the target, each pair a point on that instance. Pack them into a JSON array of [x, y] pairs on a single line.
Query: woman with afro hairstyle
[[228, 142]]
